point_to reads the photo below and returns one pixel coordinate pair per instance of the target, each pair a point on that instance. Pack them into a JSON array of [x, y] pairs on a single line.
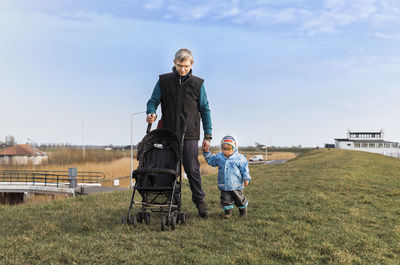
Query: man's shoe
[[202, 208], [228, 213], [243, 212]]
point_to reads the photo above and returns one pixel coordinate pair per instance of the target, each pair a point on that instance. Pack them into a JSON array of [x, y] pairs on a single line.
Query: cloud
[[291, 16], [337, 14], [154, 4], [200, 12], [304, 17], [366, 66], [229, 13], [386, 36]]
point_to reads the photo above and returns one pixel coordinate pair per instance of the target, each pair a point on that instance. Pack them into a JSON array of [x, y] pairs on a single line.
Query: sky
[[281, 73]]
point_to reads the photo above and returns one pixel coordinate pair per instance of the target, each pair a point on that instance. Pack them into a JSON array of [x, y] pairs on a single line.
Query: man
[[183, 101]]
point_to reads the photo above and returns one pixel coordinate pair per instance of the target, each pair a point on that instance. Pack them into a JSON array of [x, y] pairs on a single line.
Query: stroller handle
[[148, 128]]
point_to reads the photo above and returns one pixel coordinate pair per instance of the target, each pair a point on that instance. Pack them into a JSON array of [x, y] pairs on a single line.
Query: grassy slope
[[326, 206]]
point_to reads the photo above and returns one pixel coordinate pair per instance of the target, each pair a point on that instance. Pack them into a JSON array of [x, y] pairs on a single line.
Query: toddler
[[233, 175]]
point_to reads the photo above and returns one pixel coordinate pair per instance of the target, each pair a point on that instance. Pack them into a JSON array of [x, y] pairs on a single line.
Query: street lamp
[[266, 153], [133, 114]]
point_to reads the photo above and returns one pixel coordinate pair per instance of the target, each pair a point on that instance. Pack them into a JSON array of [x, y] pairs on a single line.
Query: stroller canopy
[[160, 138]]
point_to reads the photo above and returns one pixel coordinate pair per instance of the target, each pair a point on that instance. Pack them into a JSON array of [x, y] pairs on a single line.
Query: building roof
[[365, 132], [365, 141], [22, 150], [374, 141]]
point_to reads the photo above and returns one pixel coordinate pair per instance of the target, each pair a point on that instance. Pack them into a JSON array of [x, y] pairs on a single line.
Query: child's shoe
[[228, 213], [243, 212]]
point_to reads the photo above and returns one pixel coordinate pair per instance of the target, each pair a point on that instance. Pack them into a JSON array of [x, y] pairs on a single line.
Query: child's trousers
[[234, 197]]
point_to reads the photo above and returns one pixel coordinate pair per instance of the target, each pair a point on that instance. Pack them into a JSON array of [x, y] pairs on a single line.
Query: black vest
[[180, 104]]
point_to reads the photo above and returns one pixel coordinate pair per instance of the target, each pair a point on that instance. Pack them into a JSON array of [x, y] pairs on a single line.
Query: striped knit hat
[[229, 140]]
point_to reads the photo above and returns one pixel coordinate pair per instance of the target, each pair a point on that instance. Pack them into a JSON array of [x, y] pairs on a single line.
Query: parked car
[[256, 158]]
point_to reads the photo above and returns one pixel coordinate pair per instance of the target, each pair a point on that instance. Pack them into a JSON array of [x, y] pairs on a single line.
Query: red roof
[[22, 150]]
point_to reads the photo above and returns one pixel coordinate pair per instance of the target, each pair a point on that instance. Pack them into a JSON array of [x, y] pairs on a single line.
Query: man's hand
[[150, 118], [246, 183], [205, 147]]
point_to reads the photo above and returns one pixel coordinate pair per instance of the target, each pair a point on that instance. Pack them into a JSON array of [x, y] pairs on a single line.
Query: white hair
[[183, 54]]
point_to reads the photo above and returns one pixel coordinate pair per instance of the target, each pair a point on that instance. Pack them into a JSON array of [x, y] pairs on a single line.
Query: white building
[[369, 142], [22, 154]]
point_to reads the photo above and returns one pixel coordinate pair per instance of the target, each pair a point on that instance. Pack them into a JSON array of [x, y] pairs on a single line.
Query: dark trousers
[[234, 197], [192, 168]]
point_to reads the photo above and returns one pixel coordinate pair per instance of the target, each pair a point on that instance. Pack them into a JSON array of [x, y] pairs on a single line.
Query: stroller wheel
[[146, 217], [163, 223], [182, 218], [139, 217], [173, 222], [123, 219], [132, 221]]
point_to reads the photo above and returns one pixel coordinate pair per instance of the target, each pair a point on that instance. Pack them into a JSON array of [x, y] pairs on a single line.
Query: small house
[[22, 154]]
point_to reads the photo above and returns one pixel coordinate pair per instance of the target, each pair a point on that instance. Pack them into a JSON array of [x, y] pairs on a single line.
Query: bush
[[74, 155]]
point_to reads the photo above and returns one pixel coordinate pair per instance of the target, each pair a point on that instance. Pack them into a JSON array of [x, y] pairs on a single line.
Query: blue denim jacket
[[232, 171]]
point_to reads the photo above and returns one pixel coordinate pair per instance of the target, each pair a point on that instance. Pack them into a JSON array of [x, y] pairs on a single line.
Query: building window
[[371, 145], [395, 145], [357, 145], [380, 145], [387, 145], [364, 145]]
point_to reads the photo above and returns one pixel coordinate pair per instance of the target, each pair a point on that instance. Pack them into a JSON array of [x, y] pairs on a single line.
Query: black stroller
[[158, 179]]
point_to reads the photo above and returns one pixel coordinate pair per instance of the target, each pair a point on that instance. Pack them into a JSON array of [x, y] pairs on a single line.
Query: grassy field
[[323, 207]]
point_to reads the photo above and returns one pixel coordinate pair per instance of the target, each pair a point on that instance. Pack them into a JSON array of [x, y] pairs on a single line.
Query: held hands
[[246, 183], [150, 118], [205, 147]]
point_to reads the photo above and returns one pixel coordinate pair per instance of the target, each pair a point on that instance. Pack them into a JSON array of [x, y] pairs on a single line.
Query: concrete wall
[[23, 160], [344, 145]]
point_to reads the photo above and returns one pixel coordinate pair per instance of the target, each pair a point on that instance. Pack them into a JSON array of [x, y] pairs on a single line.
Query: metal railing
[[48, 178]]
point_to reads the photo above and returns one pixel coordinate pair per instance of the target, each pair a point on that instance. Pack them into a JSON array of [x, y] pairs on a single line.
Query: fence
[[48, 178]]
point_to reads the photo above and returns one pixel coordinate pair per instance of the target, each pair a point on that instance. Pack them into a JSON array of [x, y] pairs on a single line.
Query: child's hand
[[246, 183]]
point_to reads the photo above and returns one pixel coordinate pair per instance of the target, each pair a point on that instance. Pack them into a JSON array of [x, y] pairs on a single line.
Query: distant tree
[[10, 140]]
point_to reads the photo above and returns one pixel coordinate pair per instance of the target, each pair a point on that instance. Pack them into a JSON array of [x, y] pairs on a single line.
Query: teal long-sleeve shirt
[[204, 109]]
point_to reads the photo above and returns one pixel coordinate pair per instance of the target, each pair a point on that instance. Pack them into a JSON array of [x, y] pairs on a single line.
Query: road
[[270, 162]]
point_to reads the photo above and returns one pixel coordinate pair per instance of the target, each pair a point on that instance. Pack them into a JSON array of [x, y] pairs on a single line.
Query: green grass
[[324, 207]]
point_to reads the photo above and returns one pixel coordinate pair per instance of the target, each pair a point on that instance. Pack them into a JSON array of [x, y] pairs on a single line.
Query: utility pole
[[34, 151], [4, 146], [83, 140]]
